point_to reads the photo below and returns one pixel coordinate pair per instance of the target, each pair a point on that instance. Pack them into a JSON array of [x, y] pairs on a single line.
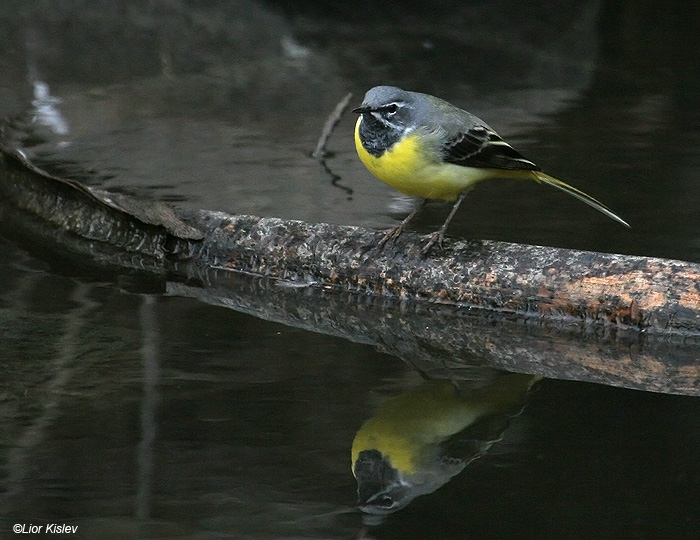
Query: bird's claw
[[391, 234], [434, 238]]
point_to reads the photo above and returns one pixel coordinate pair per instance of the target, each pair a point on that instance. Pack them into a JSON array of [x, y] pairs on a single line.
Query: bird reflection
[[417, 441]]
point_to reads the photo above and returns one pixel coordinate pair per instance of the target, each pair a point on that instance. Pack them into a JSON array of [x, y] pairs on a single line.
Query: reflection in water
[[45, 109], [237, 427], [63, 369], [417, 441], [145, 455]]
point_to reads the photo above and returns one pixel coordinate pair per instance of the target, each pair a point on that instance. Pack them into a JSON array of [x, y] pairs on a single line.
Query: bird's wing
[[481, 147]]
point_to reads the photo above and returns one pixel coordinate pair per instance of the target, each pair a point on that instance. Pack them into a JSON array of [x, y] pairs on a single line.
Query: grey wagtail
[[426, 147], [417, 441]]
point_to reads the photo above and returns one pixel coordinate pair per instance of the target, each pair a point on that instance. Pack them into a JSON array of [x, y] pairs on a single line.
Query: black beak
[[362, 109]]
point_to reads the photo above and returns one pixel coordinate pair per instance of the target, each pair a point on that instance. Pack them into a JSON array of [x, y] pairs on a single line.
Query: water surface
[[137, 415]]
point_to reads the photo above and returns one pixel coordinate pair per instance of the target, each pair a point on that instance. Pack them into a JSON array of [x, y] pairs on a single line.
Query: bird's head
[[389, 107]]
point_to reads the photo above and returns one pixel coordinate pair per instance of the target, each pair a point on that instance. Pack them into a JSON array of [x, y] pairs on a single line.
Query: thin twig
[[320, 152]]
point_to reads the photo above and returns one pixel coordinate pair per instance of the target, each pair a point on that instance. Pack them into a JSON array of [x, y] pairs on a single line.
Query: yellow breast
[[414, 422], [414, 167]]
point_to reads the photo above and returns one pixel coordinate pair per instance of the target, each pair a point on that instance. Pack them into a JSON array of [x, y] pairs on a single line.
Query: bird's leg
[[439, 235], [396, 231]]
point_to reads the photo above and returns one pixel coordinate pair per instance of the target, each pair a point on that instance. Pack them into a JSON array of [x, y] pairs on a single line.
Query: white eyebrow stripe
[[386, 122]]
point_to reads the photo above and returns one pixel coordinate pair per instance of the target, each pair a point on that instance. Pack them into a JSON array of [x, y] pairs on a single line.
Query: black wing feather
[[483, 148]]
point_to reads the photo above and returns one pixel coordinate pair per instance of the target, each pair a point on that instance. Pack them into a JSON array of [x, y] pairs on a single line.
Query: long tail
[[580, 195]]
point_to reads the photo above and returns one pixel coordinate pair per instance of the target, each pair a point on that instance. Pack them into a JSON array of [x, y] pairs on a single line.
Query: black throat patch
[[377, 137]]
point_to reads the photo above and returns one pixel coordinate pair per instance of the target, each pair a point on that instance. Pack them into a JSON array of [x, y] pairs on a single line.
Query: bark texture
[[623, 320]]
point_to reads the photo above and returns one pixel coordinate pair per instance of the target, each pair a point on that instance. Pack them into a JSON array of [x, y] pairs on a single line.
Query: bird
[[418, 440], [426, 147]]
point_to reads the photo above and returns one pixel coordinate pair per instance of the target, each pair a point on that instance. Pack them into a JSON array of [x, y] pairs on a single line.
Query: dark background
[[154, 416]]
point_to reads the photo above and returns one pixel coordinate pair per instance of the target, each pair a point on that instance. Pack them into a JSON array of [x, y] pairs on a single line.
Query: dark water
[[137, 415]]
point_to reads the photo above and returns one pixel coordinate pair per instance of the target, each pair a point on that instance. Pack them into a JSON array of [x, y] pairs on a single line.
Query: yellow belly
[[417, 170], [415, 421]]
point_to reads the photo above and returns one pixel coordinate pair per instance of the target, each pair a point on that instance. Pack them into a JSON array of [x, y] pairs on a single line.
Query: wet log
[[559, 313], [569, 288]]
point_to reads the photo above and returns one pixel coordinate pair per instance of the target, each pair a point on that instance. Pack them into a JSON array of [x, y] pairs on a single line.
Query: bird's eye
[[384, 501], [391, 109]]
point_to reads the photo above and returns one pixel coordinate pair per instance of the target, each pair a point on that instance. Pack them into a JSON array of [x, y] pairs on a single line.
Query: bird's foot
[[433, 238], [392, 234]]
